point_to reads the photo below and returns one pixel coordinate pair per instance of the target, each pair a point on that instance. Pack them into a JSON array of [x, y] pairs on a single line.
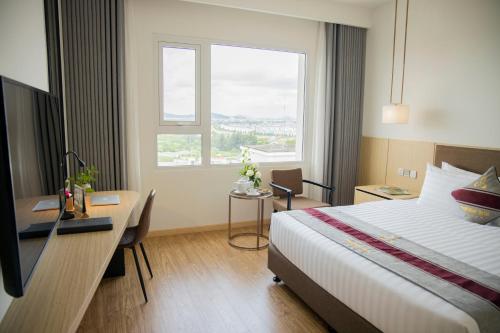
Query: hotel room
[[250, 166]]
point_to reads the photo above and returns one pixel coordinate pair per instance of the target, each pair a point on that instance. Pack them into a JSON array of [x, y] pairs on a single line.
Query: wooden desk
[[68, 274]]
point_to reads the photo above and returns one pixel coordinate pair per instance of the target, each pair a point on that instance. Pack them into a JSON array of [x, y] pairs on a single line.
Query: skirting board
[[203, 228]]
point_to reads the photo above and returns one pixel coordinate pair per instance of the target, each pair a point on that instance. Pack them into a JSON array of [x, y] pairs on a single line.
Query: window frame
[[197, 114], [205, 107]]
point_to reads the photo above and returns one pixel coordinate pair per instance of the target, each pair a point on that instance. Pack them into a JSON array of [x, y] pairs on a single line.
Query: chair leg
[[139, 273], [146, 259]]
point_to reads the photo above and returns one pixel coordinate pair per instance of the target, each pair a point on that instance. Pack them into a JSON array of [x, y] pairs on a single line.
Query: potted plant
[[85, 178], [250, 169]]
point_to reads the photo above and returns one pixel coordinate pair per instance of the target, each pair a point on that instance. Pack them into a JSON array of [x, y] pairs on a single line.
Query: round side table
[[258, 234]]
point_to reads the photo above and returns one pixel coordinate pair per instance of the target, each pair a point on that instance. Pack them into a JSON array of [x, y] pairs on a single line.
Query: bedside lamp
[[395, 114]]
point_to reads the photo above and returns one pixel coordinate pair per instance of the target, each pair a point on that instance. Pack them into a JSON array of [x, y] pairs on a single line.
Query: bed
[[353, 294]]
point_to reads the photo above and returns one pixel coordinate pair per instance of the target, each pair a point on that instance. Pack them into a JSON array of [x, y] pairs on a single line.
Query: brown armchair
[[287, 184]]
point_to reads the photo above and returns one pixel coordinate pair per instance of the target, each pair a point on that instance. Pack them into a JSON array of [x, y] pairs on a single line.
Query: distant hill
[[219, 116], [215, 116]]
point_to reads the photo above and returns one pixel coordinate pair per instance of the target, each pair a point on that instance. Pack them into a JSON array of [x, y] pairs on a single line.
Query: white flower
[[249, 173], [258, 174]]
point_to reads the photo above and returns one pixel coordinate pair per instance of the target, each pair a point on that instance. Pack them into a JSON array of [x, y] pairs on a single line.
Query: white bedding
[[389, 302]]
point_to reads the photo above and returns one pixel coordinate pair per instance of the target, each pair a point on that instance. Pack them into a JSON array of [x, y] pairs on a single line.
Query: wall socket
[[407, 173]]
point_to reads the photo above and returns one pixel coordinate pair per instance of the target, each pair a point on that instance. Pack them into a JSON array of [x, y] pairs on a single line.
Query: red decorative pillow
[[480, 200]]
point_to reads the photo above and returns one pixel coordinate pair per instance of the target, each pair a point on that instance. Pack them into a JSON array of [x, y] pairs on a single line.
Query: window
[[179, 149], [257, 102], [252, 98], [180, 102]]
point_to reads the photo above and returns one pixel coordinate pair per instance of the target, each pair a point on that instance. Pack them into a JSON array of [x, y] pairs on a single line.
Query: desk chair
[[134, 235], [287, 184]]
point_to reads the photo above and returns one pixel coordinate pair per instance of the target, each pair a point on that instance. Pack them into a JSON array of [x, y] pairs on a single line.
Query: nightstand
[[369, 193]]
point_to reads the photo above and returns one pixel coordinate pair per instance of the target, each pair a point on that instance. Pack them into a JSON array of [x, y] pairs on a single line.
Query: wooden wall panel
[[373, 161], [413, 155], [381, 158]]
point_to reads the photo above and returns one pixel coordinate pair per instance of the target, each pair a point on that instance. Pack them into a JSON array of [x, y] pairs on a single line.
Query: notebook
[[393, 190], [104, 200], [46, 205]]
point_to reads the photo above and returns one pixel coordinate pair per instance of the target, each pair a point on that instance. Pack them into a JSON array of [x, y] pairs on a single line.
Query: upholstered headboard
[[477, 160]]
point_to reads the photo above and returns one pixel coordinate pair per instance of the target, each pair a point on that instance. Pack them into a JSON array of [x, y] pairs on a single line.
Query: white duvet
[[389, 302]]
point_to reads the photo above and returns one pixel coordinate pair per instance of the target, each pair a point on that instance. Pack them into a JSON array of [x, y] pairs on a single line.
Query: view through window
[[179, 149], [257, 99], [257, 102]]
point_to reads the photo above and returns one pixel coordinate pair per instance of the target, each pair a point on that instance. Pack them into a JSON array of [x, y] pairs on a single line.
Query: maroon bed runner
[[480, 290], [470, 289]]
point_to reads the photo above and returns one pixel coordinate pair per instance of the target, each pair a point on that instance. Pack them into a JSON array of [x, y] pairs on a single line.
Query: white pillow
[[437, 188]]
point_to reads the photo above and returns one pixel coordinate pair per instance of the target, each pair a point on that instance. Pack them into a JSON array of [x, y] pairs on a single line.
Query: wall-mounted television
[[31, 178]]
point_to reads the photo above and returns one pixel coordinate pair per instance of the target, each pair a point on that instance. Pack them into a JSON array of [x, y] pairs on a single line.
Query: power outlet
[[413, 174], [401, 172], [406, 173]]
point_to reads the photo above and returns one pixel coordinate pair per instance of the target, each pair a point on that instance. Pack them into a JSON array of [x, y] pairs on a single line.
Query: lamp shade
[[395, 114]]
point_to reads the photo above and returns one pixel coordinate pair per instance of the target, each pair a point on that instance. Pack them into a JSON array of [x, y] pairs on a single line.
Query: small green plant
[[250, 169], [87, 176]]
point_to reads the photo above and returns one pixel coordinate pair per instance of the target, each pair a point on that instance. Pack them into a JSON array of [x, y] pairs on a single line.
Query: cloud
[[251, 82]]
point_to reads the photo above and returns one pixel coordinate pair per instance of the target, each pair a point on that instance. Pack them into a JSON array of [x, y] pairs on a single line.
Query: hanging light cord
[[404, 52], [394, 49]]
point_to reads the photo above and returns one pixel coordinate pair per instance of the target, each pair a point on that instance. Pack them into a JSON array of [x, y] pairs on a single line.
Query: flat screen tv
[[31, 175]]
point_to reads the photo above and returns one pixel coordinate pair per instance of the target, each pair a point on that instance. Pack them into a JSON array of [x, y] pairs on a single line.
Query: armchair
[[287, 184]]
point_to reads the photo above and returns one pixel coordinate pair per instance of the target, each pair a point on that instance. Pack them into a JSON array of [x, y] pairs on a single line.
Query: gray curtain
[[53, 47], [93, 50], [47, 130], [345, 66]]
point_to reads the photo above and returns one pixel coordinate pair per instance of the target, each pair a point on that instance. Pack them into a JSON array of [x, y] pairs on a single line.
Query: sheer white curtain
[[132, 115], [318, 141]]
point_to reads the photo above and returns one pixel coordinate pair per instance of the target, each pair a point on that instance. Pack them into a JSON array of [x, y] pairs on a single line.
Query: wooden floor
[[200, 284]]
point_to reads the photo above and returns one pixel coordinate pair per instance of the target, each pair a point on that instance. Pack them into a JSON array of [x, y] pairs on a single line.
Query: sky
[[250, 82], [179, 81]]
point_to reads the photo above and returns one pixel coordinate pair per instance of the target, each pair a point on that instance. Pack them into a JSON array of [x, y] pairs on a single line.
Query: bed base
[[336, 314]]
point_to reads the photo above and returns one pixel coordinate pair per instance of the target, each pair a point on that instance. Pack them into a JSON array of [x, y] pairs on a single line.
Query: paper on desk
[[104, 200], [46, 205]]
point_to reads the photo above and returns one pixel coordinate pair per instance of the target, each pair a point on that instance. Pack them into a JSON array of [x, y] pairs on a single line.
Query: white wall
[[23, 57], [197, 196], [23, 49], [452, 79]]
